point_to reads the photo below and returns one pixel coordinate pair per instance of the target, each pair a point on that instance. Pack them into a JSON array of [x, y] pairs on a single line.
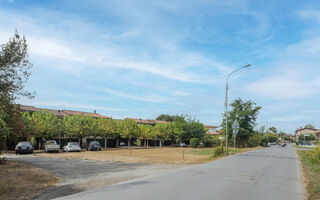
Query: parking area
[[80, 175]]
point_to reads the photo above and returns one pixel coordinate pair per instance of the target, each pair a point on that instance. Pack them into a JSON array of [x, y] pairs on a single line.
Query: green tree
[[273, 129], [14, 72], [107, 128], [145, 134], [161, 131], [129, 129], [310, 126], [246, 112]]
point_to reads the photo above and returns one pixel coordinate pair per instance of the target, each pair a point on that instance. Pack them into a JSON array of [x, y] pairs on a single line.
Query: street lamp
[[226, 102]]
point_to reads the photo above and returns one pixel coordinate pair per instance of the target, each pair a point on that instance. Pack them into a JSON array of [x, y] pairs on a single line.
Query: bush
[[194, 142], [264, 141], [207, 141], [219, 151], [254, 141]]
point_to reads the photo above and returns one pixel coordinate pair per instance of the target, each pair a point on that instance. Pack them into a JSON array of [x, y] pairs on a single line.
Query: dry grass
[[152, 155], [21, 181]]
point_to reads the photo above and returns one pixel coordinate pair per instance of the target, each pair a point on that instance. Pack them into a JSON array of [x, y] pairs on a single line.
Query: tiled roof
[[61, 113], [210, 126]]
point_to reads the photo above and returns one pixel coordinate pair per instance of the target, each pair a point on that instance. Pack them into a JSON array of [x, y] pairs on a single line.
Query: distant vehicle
[[51, 146], [181, 144], [94, 146], [72, 146], [24, 147], [122, 144]]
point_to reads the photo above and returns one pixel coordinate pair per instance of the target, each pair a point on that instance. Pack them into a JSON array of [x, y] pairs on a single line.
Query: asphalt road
[[270, 173]]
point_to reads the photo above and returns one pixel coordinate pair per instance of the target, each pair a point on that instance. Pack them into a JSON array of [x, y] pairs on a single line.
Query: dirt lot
[[21, 181], [81, 175], [152, 155]]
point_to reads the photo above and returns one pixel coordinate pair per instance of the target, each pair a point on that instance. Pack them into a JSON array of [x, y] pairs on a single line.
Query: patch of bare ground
[[150, 155], [22, 181]]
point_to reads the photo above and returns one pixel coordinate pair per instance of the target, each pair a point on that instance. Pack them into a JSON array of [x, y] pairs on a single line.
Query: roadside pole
[[235, 127]]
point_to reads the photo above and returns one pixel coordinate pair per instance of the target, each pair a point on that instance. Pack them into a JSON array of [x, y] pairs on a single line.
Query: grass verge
[[21, 181], [311, 168], [162, 155]]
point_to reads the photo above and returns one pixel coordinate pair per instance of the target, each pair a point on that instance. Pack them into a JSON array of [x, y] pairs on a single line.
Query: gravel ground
[[82, 175]]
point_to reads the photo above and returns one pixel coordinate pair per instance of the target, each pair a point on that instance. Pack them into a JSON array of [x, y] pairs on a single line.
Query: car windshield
[[95, 143], [73, 144], [24, 143]]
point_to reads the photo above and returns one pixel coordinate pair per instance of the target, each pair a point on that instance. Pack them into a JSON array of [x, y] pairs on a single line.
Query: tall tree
[[129, 129], [14, 72], [145, 134], [161, 131], [246, 112], [310, 126], [273, 129]]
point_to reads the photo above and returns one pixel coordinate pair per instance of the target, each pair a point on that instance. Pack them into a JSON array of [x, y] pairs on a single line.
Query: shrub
[[219, 151], [254, 141], [207, 141], [264, 141], [194, 142]]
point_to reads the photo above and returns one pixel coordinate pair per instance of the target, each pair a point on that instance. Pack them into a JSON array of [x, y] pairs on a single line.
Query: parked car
[[94, 146], [24, 147], [51, 146], [72, 146], [182, 144], [122, 144]]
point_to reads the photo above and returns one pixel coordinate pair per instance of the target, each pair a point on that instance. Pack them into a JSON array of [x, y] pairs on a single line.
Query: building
[[148, 121], [212, 130], [304, 131], [61, 113]]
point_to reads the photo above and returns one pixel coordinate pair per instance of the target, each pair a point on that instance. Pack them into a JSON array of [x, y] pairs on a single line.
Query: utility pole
[[226, 103]]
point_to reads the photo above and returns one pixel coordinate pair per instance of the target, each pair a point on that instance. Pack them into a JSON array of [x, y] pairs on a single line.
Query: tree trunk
[[105, 143], [160, 143], [129, 143], [117, 142], [147, 143]]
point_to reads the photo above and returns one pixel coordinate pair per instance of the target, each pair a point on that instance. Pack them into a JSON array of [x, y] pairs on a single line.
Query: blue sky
[[143, 58]]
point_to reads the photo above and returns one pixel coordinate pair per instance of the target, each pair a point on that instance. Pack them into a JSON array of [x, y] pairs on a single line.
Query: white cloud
[[310, 14], [147, 98]]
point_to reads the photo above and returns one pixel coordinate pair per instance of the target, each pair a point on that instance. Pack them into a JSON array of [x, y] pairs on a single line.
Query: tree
[[14, 72], [79, 126], [246, 112], [129, 129], [145, 134], [161, 131], [107, 128], [310, 126], [273, 129]]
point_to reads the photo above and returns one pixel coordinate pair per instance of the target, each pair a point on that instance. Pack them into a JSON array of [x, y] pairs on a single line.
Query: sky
[[142, 58]]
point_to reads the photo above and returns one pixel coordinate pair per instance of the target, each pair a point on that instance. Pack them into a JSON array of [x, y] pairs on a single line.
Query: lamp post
[[226, 102]]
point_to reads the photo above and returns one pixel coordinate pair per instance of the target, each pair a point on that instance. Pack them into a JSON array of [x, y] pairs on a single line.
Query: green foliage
[[307, 138], [44, 124], [254, 141], [310, 126], [264, 141], [194, 142], [129, 129], [311, 166], [273, 129], [272, 138], [219, 151], [207, 141], [246, 112]]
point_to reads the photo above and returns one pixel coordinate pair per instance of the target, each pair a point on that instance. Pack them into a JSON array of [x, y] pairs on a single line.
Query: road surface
[[270, 173]]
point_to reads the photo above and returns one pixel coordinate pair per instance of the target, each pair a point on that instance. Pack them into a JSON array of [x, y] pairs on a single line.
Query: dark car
[[94, 146], [24, 147]]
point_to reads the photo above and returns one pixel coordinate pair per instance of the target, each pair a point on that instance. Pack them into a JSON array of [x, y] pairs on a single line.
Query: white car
[[72, 146], [51, 146]]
